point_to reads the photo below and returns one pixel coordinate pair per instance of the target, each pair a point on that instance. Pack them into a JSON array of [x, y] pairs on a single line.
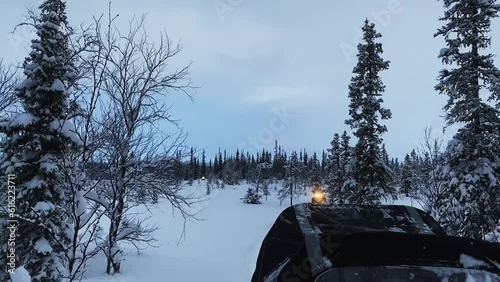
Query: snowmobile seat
[[369, 243]]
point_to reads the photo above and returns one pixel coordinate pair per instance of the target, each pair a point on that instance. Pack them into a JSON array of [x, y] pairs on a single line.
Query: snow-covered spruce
[[337, 166], [260, 181], [314, 169], [252, 197], [371, 178], [36, 140], [293, 184], [410, 174], [471, 173]]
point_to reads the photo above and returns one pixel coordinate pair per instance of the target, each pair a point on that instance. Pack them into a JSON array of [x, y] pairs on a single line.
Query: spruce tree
[[345, 166], [291, 185], [315, 169], [334, 180], [196, 169], [191, 166], [36, 141], [220, 164], [252, 197], [323, 163], [408, 174], [203, 165], [216, 166], [471, 175], [372, 178], [385, 155]]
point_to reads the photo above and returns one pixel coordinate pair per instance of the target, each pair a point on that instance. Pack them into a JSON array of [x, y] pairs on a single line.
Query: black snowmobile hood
[[306, 240]]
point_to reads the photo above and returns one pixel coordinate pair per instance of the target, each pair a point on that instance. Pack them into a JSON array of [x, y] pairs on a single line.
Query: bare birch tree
[[431, 152], [137, 82], [83, 214]]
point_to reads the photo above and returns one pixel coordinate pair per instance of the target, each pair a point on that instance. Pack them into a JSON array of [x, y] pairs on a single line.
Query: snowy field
[[222, 247]]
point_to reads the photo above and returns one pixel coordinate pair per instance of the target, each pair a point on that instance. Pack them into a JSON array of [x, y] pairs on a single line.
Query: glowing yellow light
[[318, 195]]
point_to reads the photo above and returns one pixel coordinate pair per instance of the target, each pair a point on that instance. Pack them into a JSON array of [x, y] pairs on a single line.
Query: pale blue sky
[[255, 58]]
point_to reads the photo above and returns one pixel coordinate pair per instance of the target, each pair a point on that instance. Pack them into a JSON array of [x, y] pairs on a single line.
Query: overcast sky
[[280, 69]]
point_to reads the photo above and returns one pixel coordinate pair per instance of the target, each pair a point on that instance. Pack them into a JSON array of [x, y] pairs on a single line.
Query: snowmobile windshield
[[405, 273]]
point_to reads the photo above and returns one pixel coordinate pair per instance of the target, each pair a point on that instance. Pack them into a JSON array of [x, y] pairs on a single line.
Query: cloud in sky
[[275, 93], [263, 55]]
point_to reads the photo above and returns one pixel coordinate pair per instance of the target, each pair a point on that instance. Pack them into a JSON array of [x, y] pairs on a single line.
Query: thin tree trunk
[[117, 218]]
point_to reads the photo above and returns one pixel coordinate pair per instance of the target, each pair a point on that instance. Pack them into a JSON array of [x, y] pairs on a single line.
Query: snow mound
[[20, 275], [43, 207], [43, 246]]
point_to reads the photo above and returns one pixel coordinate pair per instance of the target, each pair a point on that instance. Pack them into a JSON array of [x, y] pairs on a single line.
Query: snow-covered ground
[[222, 247]]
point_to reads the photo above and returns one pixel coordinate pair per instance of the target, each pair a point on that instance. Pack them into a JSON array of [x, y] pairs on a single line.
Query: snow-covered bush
[[252, 197]]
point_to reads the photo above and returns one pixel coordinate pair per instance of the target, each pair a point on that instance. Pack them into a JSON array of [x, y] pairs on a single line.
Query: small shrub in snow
[[252, 197]]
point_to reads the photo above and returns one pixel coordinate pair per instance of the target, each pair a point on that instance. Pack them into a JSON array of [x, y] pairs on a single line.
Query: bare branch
[[8, 82]]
